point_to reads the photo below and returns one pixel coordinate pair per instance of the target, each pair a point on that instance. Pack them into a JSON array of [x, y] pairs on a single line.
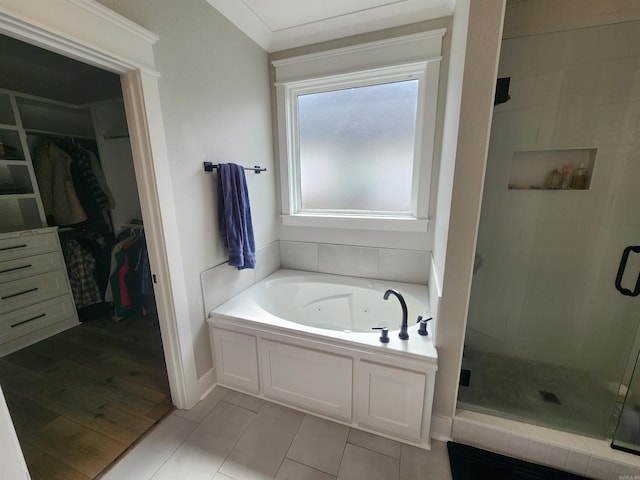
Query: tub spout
[[403, 329]]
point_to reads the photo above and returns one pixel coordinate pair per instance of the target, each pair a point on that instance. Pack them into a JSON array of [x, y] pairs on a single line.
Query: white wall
[[214, 89], [546, 287], [476, 105]]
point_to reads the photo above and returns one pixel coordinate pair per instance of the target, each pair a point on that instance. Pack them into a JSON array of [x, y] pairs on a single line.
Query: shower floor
[[540, 393]]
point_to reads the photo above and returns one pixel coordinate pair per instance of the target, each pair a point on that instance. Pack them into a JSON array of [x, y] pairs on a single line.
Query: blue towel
[[234, 216]]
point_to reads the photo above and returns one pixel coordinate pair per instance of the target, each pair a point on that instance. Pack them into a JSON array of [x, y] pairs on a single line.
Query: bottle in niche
[[579, 180], [553, 180], [565, 181]]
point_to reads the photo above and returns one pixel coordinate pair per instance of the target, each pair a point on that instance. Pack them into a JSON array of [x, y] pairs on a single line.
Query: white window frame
[[414, 57]]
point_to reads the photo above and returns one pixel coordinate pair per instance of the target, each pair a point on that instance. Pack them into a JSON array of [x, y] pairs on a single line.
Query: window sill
[[357, 222]]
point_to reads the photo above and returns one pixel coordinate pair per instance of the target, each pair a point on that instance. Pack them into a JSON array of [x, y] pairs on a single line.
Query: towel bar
[[210, 167]]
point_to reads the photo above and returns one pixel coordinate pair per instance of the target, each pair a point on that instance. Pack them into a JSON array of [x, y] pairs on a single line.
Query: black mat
[[473, 463]]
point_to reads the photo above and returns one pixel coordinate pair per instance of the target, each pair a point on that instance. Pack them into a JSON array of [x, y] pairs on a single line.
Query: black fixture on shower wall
[[502, 91]]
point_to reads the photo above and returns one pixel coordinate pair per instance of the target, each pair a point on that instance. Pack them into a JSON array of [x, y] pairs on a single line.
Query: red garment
[[125, 298]]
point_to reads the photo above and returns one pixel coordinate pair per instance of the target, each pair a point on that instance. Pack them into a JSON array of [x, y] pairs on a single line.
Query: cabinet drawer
[[18, 268], [29, 319], [27, 291], [28, 244]]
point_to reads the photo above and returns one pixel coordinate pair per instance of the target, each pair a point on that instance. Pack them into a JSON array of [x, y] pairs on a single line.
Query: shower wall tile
[[574, 88], [348, 260]]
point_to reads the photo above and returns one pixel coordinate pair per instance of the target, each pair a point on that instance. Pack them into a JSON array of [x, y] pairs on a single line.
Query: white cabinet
[[390, 399], [369, 389], [236, 357], [35, 298], [319, 381]]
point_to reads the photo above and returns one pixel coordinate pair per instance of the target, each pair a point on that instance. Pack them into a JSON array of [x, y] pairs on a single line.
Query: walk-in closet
[[81, 358]]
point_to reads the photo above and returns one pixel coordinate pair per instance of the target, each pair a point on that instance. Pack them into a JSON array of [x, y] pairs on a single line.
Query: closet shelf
[[115, 136], [20, 162], [31, 131], [16, 196]]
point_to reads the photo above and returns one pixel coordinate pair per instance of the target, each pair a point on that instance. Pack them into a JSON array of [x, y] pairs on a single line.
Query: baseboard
[[206, 383]]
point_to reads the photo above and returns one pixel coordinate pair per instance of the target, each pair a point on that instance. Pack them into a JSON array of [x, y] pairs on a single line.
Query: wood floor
[[79, 399]]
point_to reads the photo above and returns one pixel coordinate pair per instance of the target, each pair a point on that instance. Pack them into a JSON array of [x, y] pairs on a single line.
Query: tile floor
[[233, 436], [516, 388]]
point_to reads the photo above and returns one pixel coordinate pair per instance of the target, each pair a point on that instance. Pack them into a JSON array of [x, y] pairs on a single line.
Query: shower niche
[[557, 169]]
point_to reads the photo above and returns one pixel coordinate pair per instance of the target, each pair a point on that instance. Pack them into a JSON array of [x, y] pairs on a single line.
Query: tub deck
[[350, 377]]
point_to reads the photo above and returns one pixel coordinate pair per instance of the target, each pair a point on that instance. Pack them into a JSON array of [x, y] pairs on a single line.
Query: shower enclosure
[[552, 327]]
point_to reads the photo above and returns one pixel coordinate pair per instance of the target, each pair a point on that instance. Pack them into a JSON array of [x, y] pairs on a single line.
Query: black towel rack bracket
[[210, 167]]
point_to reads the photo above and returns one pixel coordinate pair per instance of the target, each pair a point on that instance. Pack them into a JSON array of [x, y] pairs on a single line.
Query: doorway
[[78, 399]]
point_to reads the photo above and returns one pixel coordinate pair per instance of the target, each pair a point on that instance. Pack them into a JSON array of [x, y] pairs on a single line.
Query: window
[[356, 147]]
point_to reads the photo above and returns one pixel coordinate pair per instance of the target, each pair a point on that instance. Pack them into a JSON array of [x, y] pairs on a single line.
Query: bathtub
[[306, 340]]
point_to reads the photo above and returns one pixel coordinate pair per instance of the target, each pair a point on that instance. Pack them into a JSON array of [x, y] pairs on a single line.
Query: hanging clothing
[[91, 193], [59, 198], [81, 271], [130, 279]]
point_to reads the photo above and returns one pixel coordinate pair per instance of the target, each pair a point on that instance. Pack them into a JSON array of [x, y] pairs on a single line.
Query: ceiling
[[282, 24]]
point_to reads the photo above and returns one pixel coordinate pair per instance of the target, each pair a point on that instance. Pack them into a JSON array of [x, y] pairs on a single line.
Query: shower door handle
[[621, 268]]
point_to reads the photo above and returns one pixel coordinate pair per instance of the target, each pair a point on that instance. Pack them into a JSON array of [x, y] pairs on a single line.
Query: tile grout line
[[344, 449], [312, 468], [291, 443], [176, 449], [222, 400]]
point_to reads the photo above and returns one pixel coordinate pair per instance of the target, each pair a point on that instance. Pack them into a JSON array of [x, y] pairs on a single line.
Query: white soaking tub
[[306, 340]]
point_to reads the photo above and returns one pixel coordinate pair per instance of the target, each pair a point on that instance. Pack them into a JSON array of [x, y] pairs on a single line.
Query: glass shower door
[[548, 334]]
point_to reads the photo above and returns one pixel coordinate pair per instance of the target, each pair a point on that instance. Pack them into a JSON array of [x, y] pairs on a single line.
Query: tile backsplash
[[222, 282], [409, 266]]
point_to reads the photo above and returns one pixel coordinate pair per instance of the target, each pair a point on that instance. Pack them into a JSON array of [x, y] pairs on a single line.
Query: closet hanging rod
[[210, 167], [46, 133], [115, 136]]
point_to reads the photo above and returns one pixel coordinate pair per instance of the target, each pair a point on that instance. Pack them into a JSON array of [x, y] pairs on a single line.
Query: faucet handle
[[422, 329], [384, 333]]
